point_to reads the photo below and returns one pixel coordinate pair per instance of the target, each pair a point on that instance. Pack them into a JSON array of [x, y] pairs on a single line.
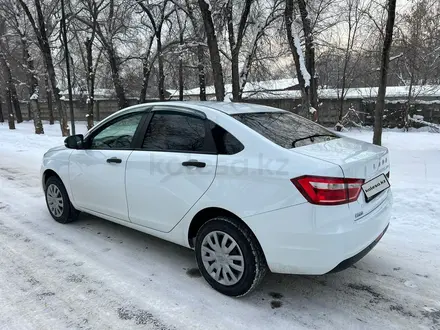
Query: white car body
[[151, 192]]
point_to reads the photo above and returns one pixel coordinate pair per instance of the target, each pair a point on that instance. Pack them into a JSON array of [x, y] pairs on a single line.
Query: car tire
[[58, 202], [220, 261]]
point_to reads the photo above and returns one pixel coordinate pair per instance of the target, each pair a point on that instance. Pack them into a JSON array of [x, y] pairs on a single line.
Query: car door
[[174, 167], [97, 172]]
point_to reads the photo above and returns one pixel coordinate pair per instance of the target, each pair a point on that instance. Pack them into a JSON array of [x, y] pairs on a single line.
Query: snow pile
[[416, 119]]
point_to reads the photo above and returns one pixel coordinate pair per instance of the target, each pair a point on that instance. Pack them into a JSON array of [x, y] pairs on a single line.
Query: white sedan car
[[248, 187]]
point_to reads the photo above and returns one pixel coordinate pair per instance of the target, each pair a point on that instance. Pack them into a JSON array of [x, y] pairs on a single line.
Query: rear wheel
[[229, 256], [58, 201]]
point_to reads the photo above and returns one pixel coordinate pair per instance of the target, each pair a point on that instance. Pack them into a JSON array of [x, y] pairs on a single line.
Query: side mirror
[[74, 141]]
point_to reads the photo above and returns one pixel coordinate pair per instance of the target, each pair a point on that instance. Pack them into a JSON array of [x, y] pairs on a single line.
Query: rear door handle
[[114, 160], [194, 163]]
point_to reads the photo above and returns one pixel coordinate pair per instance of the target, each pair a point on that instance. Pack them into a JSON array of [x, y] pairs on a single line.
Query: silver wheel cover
[[55, 200], [222, 258]]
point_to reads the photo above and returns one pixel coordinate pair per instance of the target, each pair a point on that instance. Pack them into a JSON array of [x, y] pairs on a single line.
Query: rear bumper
[[351, 261], [306, 239]]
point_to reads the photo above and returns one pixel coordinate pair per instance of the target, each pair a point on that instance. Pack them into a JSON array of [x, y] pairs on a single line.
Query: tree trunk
[[2, 119], [67, 57], [15, 102], [146, 71], [341, 104], [35, 107], [380, 103], [181, 69], [288, 21], [49, 100], [213, 50], [235, 71], [11, 87], [58, 103], [11, 119], [44, 45], [408, 103], [200, 51], [90, 82], [119, 88], [234, 52], [160, 64], [201, 69], [235, 44], [310, 52], [32, 80]]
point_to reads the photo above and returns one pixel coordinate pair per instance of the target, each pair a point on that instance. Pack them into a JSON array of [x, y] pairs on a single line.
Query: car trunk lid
[[358, 160]]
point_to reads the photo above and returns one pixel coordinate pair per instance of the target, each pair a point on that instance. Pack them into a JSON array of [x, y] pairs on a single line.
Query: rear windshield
[[286, 129]]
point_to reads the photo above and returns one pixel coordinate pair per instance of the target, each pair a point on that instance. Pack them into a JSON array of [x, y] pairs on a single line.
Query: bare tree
[[354, 12], [235, 43], [191, 11], [182, 27], [86, 51], [63, 31], [40, 31], [147, 65], [7, 71], [109, 19], [310, 51], [158, 14], [214, 52], [417, 46], [295, 48], [274, 14], [385, 59]]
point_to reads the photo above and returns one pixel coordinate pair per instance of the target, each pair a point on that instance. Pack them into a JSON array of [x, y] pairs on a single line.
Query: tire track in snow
[[134, 284], [127, 284]]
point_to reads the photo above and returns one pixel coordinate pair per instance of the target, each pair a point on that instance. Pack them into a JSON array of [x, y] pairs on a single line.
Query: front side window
[[172, 131], [286, 129], [117, 135]]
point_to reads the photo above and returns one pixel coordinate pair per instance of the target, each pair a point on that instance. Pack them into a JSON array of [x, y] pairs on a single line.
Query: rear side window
[[286, 129], [225, 142], [175, 132]]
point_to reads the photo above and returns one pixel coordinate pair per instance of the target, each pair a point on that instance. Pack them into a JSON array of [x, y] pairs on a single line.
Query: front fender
[[57, 162]]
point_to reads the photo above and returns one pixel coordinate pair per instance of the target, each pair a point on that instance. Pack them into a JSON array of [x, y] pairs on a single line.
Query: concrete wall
[[101, 109], [328, 111]]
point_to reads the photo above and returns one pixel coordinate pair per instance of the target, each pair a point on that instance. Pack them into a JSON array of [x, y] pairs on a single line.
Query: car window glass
[[170, 131], [286, 129], [225, 142], [118, 135]]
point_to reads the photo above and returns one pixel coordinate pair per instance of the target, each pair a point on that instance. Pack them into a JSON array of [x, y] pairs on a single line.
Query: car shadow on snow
[[365, 291]]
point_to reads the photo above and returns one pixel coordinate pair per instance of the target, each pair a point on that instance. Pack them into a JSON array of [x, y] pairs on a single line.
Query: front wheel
[[58, 201], [229, 256]]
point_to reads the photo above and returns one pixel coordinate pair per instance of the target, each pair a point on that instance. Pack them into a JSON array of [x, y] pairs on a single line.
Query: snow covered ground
[[93, 274]]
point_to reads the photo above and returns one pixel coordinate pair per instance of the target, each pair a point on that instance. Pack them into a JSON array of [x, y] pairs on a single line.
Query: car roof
[[230, 108]]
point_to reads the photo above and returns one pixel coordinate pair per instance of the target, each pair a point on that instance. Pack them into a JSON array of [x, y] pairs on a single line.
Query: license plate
[[375, 186]]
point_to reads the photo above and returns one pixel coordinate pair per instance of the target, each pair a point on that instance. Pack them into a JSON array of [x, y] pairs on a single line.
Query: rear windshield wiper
[[311, 137]]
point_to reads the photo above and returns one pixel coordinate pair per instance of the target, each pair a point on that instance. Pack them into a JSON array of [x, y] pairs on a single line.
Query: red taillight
[[328, 191]]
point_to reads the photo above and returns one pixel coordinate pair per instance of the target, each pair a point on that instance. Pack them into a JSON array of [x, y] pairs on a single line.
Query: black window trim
[[145, 114], [210, 132], [209, 140]]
